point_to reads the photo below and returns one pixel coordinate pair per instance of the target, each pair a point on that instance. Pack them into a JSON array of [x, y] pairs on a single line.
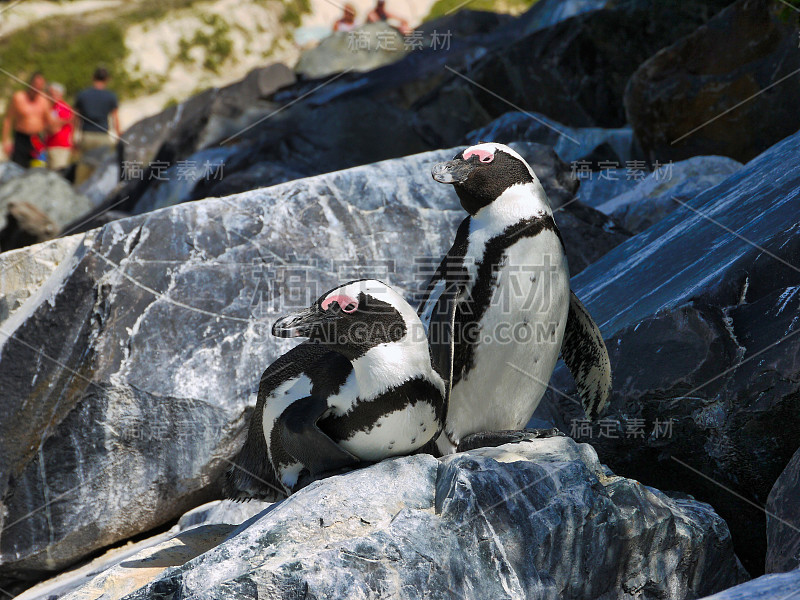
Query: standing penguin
[[500, 303], [361, 389]]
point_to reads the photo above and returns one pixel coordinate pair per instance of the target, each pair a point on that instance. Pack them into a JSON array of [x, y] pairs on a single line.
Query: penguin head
[[352, 318], [481, 173]]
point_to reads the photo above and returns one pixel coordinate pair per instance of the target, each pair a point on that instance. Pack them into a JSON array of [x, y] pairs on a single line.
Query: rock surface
[[9, 171], [156, 328], [767, 587], [700, 315], [783, 520], [47, 191], [367, 47], [570, 143], [25, 225], [491, 523], [124, 569], [663, 190], [712, 82]]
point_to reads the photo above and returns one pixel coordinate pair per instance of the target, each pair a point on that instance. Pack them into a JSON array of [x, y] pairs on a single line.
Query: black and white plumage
[[504, 286], [362, 388]]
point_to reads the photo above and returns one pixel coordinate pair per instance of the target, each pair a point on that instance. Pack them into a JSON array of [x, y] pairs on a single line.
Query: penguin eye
[[483, 155], [345, 303]]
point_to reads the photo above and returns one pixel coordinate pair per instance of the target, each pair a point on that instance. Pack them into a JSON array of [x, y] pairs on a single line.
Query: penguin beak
[[303, 323], [454, 171]]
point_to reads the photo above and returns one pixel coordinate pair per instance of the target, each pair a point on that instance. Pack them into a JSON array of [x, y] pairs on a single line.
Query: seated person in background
[[379, 13], [348, 20], [59, 142]]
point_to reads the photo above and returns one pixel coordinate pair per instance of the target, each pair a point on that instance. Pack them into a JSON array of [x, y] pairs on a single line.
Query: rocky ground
[[131, 346]]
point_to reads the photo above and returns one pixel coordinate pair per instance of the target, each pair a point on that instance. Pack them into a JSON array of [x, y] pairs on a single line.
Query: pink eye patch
[[483, 155], [346, 303]]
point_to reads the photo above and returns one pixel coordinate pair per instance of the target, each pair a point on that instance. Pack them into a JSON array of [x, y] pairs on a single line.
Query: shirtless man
[[28, 115]]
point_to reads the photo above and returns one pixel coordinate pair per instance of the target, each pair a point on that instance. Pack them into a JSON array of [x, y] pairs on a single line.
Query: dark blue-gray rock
[[539, 519], [783, 520], [767, 587], [570, 143], [367, 47], [662, 191], [546, 13], [703, 95], [599, 187], [129, 364], [574, 71], [700, 316]]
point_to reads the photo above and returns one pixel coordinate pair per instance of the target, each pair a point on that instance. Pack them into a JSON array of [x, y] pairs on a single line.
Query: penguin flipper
[[441, 337], [586, 356], [306, 442]]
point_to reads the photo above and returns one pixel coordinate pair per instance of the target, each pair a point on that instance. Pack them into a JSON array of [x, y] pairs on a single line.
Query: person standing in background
[[27, 116], [379, 13], [59, 142], [95, 107], [348, 20]]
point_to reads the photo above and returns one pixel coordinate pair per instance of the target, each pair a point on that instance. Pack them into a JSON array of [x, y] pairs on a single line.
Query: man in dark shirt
[[94, 107]]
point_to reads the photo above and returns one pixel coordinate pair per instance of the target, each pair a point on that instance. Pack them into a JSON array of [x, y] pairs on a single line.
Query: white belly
[[400, 432], [520, 340]]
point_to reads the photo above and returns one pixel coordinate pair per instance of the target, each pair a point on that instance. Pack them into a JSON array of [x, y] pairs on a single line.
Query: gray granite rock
[[783, 520], [662, 191], [700, 317], [367, 47], [536, 519], [47, 191], [128, 370], [785, 586], [9, 171]]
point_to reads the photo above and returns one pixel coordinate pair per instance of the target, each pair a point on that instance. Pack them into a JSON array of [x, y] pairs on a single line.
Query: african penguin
[[360, 389], [501, 296]]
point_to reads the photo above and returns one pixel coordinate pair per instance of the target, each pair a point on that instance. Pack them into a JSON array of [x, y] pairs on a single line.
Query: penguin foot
[[491, 439]]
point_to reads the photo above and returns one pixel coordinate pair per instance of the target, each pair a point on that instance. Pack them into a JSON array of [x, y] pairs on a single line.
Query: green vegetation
[[445, 7], [293, 11], [68, 48], [216, 43]]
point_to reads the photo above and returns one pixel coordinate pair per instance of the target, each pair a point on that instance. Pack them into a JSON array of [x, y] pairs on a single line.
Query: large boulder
[[540, 519], [128, 371], [783, 520], [662, 191], [703, 95], [47, 191], [574, 71], [367, 47], [699, 313]]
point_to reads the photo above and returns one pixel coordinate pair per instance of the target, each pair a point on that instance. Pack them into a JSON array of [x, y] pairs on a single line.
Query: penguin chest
[[398, 421], [518, 322]]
